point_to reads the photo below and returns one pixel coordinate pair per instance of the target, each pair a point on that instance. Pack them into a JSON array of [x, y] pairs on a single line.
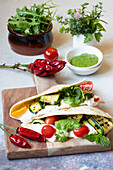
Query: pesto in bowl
[[84, 60]]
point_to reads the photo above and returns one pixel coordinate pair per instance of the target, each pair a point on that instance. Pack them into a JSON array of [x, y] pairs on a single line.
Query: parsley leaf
[[60, 136], [99, 139]]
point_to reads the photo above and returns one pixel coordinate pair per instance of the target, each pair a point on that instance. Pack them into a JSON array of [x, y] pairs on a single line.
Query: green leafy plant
[[81, 21], [73, 96], [35, 20], [99, 139]]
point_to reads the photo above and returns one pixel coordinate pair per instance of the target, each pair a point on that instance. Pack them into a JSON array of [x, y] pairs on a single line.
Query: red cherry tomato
[[48, 131], [83, 130], [51, 54], [52, 119], [86, 86]]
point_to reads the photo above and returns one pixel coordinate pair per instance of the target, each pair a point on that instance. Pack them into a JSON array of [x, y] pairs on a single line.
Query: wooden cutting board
[[40, 149]]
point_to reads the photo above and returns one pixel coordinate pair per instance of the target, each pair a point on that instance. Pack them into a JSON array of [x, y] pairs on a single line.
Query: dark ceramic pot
[[30, 44]]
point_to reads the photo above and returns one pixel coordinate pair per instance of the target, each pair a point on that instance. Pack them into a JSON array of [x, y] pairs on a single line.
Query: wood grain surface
[[39, 149], [43, 83]]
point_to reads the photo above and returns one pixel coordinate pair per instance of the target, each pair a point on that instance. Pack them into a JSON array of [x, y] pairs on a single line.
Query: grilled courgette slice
[[101, 124], [35, 107], [38, 121], [79, 116], [51, 99]]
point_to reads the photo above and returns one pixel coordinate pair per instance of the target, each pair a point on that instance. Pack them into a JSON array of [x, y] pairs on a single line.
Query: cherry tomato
[[52, 119], [48, 131], [51, 54], [86, 86], [83, 130]]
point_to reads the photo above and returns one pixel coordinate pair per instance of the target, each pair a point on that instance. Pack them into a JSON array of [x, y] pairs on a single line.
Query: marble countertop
[[103, 85]]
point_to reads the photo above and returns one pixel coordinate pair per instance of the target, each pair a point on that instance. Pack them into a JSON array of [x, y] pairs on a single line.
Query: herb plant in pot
[[30, 30], [85, 26]]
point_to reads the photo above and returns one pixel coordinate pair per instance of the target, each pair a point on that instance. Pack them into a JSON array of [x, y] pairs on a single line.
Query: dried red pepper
[[17, 140], [42, 67]]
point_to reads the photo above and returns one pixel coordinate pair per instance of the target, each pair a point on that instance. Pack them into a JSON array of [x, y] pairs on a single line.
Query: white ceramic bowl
[[80, 50]]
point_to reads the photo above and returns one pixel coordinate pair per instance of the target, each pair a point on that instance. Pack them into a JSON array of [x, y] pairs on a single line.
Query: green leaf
[[96, 21], [99, 139], [63, 138], [67, 124], [57, 136], [85, 4], [72, 101], [100, 27], [62, 29], [73, 96], [102, 140], [88, 37], [91, 137], [98, 36], [69, 11], [33, 20]]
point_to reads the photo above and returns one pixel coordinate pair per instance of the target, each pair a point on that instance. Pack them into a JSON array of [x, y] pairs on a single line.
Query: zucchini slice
[[38, 121], [35, 107], [79, 116], [101, 124], [51, 99], [96, 125]]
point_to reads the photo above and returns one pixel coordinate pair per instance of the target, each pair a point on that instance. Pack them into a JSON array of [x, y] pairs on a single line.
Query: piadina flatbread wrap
[[67, 109]]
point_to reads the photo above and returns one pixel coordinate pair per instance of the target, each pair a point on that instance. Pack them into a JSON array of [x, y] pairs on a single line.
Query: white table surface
[[102, 79]]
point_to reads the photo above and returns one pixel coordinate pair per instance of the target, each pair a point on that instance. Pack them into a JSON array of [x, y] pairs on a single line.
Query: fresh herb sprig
[[99, 139], [81, 21], [35, 20], [61, 136]]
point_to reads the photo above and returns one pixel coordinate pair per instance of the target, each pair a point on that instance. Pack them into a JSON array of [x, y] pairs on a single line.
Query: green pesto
[[84, 60]]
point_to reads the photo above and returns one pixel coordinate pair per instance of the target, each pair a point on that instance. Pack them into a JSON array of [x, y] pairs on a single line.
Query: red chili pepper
[[48, 68], [42, 67], [42, 74], [41, 61], [57, 62], [17, 140], [30, 67], [30, 134], [38, 70]]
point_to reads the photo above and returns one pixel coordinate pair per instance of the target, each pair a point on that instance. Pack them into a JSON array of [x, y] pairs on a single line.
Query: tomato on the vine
[[52, 119], [80, 132], [48, 131], [51, 54], [86, 86]]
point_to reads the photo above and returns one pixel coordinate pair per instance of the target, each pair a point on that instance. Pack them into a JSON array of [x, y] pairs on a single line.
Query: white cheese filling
[[38, 128], [92, 102]]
